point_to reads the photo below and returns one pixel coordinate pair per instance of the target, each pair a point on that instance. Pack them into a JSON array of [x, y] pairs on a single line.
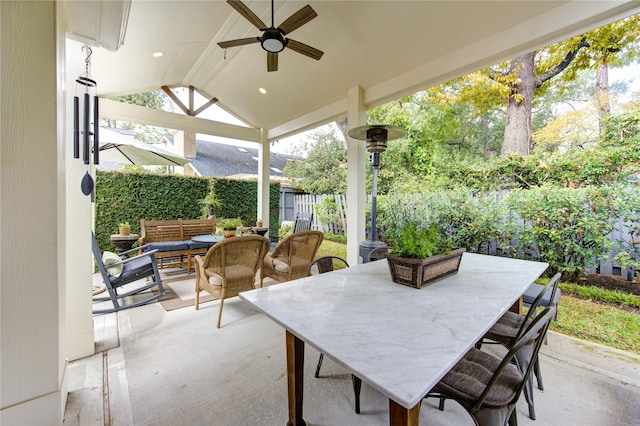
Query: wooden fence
[[306, 203]]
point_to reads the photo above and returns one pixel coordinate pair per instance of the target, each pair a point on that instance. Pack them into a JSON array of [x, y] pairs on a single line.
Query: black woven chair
[[125, 270], [320, 266], [303, 223], [511, 326], [488, 387]]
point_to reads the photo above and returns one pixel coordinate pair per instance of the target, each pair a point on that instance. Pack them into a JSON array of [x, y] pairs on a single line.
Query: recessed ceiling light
[[262, 90], [157, 54]]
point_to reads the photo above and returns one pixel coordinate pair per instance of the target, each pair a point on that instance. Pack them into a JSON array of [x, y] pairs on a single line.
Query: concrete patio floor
[[157, 367]]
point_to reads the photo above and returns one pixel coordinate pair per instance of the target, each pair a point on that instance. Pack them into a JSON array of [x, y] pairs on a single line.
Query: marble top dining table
[[398, 339]]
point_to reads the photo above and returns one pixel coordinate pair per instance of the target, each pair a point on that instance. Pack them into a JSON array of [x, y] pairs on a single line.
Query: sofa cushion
[[169, 246], [197, 246]]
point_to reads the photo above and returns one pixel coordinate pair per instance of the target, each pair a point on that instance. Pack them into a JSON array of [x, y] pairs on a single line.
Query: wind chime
[[90, 139]]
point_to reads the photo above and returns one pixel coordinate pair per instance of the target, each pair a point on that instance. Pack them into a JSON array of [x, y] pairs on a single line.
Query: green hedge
[[567, 227], [132, 197]]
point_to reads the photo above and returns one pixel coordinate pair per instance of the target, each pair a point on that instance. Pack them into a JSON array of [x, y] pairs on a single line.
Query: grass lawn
[[596, 315]]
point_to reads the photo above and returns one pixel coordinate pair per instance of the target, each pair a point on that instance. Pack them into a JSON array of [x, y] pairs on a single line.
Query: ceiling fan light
[[272, 45]]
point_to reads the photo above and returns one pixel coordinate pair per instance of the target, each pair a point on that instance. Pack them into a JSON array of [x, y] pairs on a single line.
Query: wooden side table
[[123, 242]]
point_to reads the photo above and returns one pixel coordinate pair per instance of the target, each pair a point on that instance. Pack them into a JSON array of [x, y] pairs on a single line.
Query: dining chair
[[291, 257], [120, 269], [547, 300], [489, 387], [320, 266], [230, 267], [302, 222], [511, 326], [378, 253]]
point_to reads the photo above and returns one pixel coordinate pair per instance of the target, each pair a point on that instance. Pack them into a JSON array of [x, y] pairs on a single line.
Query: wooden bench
[[172, 239]]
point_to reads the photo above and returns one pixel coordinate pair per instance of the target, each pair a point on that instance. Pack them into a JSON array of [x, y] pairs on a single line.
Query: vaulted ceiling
[[388, 48]]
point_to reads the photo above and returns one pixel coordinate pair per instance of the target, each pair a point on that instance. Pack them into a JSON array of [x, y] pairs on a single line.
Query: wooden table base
[[295, 373]]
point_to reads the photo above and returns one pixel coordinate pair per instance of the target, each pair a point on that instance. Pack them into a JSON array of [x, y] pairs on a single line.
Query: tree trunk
[[343, 126], [517, 132], [602, 94]]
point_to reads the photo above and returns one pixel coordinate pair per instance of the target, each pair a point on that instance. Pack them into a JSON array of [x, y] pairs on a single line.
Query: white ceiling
[[388, 48]]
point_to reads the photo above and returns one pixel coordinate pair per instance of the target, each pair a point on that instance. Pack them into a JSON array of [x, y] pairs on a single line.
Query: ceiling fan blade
[[272, 61], [238, 42], [243, 10], [298, 19], [305, 49]]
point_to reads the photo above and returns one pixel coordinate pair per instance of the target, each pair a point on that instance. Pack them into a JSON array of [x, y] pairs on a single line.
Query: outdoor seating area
[[172, 239], [198, 361]]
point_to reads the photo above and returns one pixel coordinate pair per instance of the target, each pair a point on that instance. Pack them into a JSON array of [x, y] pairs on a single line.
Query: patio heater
[[376, 137]]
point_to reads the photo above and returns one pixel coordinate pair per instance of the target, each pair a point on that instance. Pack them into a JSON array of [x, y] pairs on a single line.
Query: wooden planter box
[[418, 273]]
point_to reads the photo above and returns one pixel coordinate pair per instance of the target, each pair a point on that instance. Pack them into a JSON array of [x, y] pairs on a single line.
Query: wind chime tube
[[87, 109], [76, 127], [96, 132]]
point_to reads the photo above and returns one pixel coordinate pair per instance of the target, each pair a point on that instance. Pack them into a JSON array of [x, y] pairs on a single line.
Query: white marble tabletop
[[398, 339]]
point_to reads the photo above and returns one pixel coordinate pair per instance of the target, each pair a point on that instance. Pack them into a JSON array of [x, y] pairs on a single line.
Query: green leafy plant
[[420, 243], [124, 225], [231, 223], [286, 228]]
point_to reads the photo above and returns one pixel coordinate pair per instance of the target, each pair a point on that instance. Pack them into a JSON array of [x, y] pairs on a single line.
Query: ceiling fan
[[273, 39]]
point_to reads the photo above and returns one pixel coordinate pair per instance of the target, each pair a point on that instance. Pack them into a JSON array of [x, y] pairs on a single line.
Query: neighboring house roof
[[222, 160], [215, 159]]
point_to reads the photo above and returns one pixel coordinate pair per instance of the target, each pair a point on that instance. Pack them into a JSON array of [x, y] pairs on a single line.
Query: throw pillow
[[109, 258]]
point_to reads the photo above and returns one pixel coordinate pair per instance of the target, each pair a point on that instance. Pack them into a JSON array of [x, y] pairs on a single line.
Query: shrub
[[566, 227]]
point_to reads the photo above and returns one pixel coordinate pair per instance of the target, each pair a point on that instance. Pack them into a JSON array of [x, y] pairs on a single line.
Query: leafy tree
[[516, 81], [324, 171], [156, 100]]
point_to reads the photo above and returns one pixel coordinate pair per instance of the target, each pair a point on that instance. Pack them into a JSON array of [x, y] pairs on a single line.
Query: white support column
[[264, 166], [356, 176], [32, 302]]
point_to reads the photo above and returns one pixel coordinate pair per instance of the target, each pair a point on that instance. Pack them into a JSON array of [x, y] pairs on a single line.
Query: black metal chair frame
[[378, 253], [303, 222], [534, 335], [134, 268], [551, 286], [325, 264]]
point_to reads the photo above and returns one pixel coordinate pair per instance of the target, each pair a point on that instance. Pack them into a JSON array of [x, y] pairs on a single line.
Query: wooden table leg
[[295, 370], [517, 307], [398, 415]]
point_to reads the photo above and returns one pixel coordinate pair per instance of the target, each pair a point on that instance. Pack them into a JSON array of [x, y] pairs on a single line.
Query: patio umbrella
[[117, 148]]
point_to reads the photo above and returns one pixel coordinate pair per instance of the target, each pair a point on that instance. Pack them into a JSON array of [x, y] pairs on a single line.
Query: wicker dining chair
[[488, 387], [230, 267], [290, 259]]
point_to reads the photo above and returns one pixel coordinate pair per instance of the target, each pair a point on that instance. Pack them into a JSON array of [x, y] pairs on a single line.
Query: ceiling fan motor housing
[[272, 41]]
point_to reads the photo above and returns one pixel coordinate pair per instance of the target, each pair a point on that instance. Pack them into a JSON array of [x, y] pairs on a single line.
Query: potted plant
[[211, 203], [124, 228], [230, 227], [421, 255]]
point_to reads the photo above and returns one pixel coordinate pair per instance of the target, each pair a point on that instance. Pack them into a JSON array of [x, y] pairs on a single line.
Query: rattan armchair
[[292, 256], [230, 267]]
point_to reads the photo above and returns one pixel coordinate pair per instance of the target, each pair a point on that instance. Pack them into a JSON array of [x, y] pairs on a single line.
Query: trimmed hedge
[[132, 196]]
